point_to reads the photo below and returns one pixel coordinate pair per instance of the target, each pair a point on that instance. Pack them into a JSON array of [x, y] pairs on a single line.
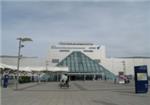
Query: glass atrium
[[81, 67]]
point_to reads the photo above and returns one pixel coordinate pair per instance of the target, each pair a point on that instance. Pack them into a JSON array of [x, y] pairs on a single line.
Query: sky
[[123, 27]]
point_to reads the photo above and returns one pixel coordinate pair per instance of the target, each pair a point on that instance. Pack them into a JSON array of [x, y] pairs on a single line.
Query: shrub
[[24, 79]]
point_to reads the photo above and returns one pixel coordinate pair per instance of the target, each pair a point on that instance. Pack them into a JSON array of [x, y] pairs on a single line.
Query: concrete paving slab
[[80, 93]]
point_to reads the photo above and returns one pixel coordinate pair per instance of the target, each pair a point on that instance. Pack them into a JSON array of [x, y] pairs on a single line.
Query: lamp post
[[46, 66], [19, 56], [46, 70], [124, 67]]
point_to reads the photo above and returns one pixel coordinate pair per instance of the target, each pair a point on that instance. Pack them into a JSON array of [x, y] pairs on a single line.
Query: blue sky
[[123, 27]]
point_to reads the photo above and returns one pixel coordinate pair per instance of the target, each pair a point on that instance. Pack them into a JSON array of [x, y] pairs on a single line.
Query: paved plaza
[[80, 93]]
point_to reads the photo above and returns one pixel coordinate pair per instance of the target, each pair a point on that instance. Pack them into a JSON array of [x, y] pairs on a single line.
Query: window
[[88, 50], [55, 60], [92, 47], [63, 50]]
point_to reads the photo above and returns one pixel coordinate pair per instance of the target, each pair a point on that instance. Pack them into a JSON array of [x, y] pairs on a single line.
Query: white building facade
[[61, 50]]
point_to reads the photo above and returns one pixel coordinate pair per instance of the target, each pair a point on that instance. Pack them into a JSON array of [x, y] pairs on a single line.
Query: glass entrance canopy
[[81, 64]]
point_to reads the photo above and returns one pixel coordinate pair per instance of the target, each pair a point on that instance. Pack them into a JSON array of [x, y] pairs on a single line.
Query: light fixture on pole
[[19, 56]]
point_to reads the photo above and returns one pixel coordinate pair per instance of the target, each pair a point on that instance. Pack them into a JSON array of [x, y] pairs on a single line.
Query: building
[[85, 61], [59, 52]]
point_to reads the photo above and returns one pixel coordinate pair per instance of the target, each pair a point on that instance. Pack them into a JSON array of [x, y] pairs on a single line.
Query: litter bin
[[141, 79]]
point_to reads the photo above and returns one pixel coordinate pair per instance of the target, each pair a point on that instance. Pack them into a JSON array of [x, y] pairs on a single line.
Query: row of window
[[69, 50], [88, 50], [58, 47], [57, 60], [54, 47], [64, 50]]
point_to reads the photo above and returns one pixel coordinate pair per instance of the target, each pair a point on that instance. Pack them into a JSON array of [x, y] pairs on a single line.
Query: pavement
[[80, 93]]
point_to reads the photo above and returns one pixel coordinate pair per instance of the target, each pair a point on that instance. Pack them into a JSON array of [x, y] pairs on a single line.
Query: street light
[[19, 56], [124, 67], [46, 62]]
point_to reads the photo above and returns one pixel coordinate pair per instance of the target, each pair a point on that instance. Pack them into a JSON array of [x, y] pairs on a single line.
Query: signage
[[141, 79]]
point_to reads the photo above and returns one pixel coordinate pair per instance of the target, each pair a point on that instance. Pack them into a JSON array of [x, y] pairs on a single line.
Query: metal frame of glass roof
[[79, 63]]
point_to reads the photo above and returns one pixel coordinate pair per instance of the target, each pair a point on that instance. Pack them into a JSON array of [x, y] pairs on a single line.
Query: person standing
[[5, 83]]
